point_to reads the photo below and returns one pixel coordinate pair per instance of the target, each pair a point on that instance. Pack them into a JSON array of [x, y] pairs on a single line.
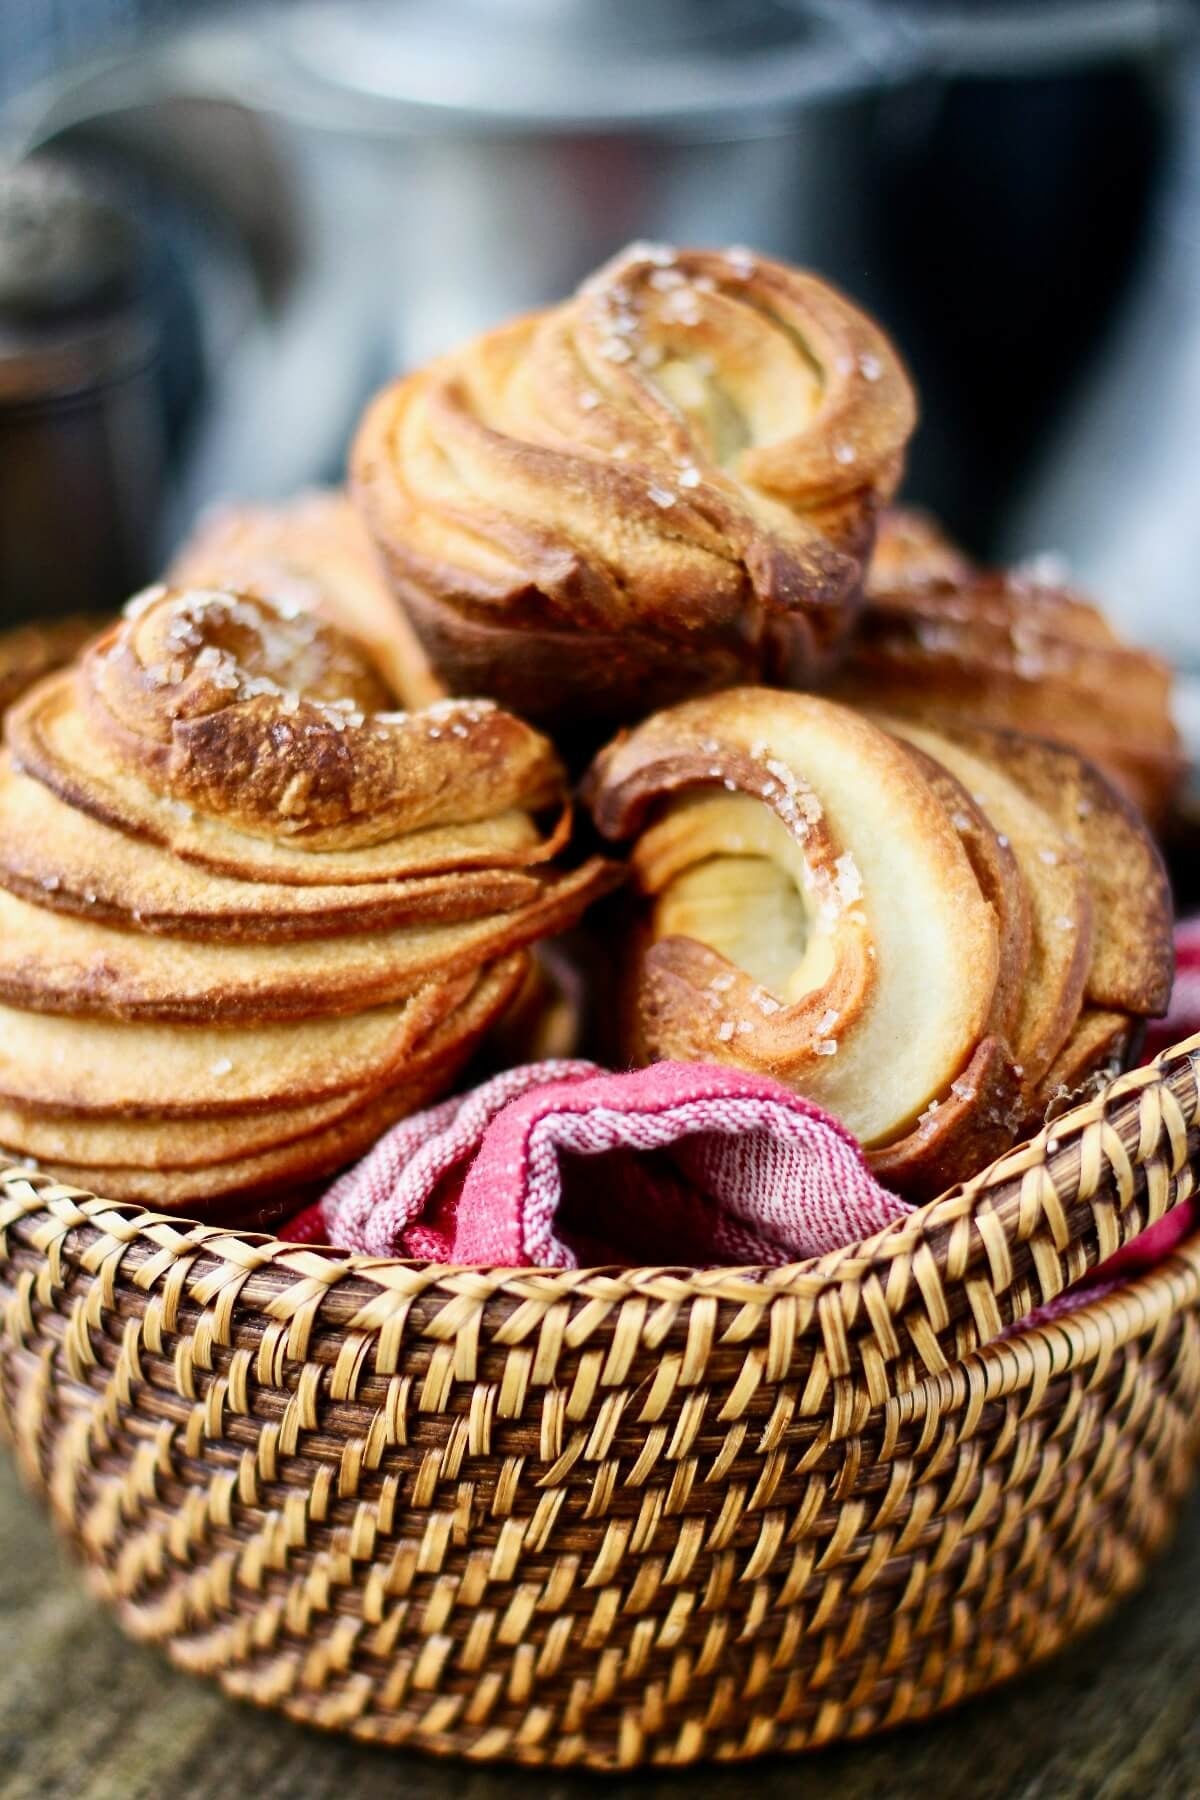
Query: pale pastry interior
[[894, 922]]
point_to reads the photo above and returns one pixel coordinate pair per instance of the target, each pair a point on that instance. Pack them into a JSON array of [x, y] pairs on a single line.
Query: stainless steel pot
[[453, 161], [406, 172]]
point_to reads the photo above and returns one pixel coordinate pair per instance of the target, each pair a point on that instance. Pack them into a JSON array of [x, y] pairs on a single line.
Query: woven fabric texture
[[606, 1517], [558, 1163]]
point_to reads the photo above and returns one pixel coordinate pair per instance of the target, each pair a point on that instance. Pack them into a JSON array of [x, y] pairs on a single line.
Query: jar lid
[[63, 245], [69, 315]]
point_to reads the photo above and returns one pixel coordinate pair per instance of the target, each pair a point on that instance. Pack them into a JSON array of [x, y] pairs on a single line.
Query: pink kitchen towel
[[559, 1164], [562, 1164], [1182, 1021]]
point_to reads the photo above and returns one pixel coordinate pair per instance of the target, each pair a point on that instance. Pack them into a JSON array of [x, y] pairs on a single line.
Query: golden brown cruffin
[[248, 915], [937, 936], [311, 552], [940, 638], [664, 485], [27, 652]]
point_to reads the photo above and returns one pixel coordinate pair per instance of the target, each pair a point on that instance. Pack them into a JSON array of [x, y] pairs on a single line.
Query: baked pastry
[[665, 485], [312, 552], [248, 915], [28, 652], [937, 936], [546, 1020], [940, 638]]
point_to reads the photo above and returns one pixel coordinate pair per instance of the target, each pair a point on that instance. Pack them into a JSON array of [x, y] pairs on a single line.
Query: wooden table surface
[[86, 1715]]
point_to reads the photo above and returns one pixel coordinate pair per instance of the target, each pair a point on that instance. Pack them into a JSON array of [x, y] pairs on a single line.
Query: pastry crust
[[1101, 1045], [176, 1034], [935, 936], [942, 640], [56, 856], [28, 652], [1132, 963], [91, 1066], [274, 723], [1055, 879], [50, 962], [840, 807], [665, 485], [50, 740], [311, 552], [167, 1159]]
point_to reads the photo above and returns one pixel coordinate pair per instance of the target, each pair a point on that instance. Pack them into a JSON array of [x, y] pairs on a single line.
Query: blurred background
[[222, 226]]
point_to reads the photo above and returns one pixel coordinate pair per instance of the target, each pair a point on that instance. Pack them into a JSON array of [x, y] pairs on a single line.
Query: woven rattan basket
[[605, 1518]]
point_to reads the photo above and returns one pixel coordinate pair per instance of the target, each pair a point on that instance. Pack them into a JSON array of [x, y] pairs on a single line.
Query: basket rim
[[1057, 1148], [960, 1271], [1038, 1350]]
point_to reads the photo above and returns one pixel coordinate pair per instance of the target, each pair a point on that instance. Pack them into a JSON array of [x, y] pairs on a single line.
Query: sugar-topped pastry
[[942, 639], [313, 552], [938, 937], [664, 485], [249, 913]]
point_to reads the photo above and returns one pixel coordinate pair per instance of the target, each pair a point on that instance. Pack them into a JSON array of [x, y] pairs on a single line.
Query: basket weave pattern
[[606, 1518]]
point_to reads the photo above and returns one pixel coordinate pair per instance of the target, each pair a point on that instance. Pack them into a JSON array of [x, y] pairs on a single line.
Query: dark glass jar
[[81, 426]]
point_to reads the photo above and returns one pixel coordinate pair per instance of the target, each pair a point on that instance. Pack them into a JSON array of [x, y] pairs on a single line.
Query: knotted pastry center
[[762, 794], [267, 717], [249, 915], [683, 462], [932, 933], [758, 877]]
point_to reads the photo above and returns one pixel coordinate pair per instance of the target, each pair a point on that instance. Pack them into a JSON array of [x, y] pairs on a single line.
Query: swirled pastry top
[[808, 857], [249, 915], [311, 552], [931, 933], [679, 467], [275, 722]]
